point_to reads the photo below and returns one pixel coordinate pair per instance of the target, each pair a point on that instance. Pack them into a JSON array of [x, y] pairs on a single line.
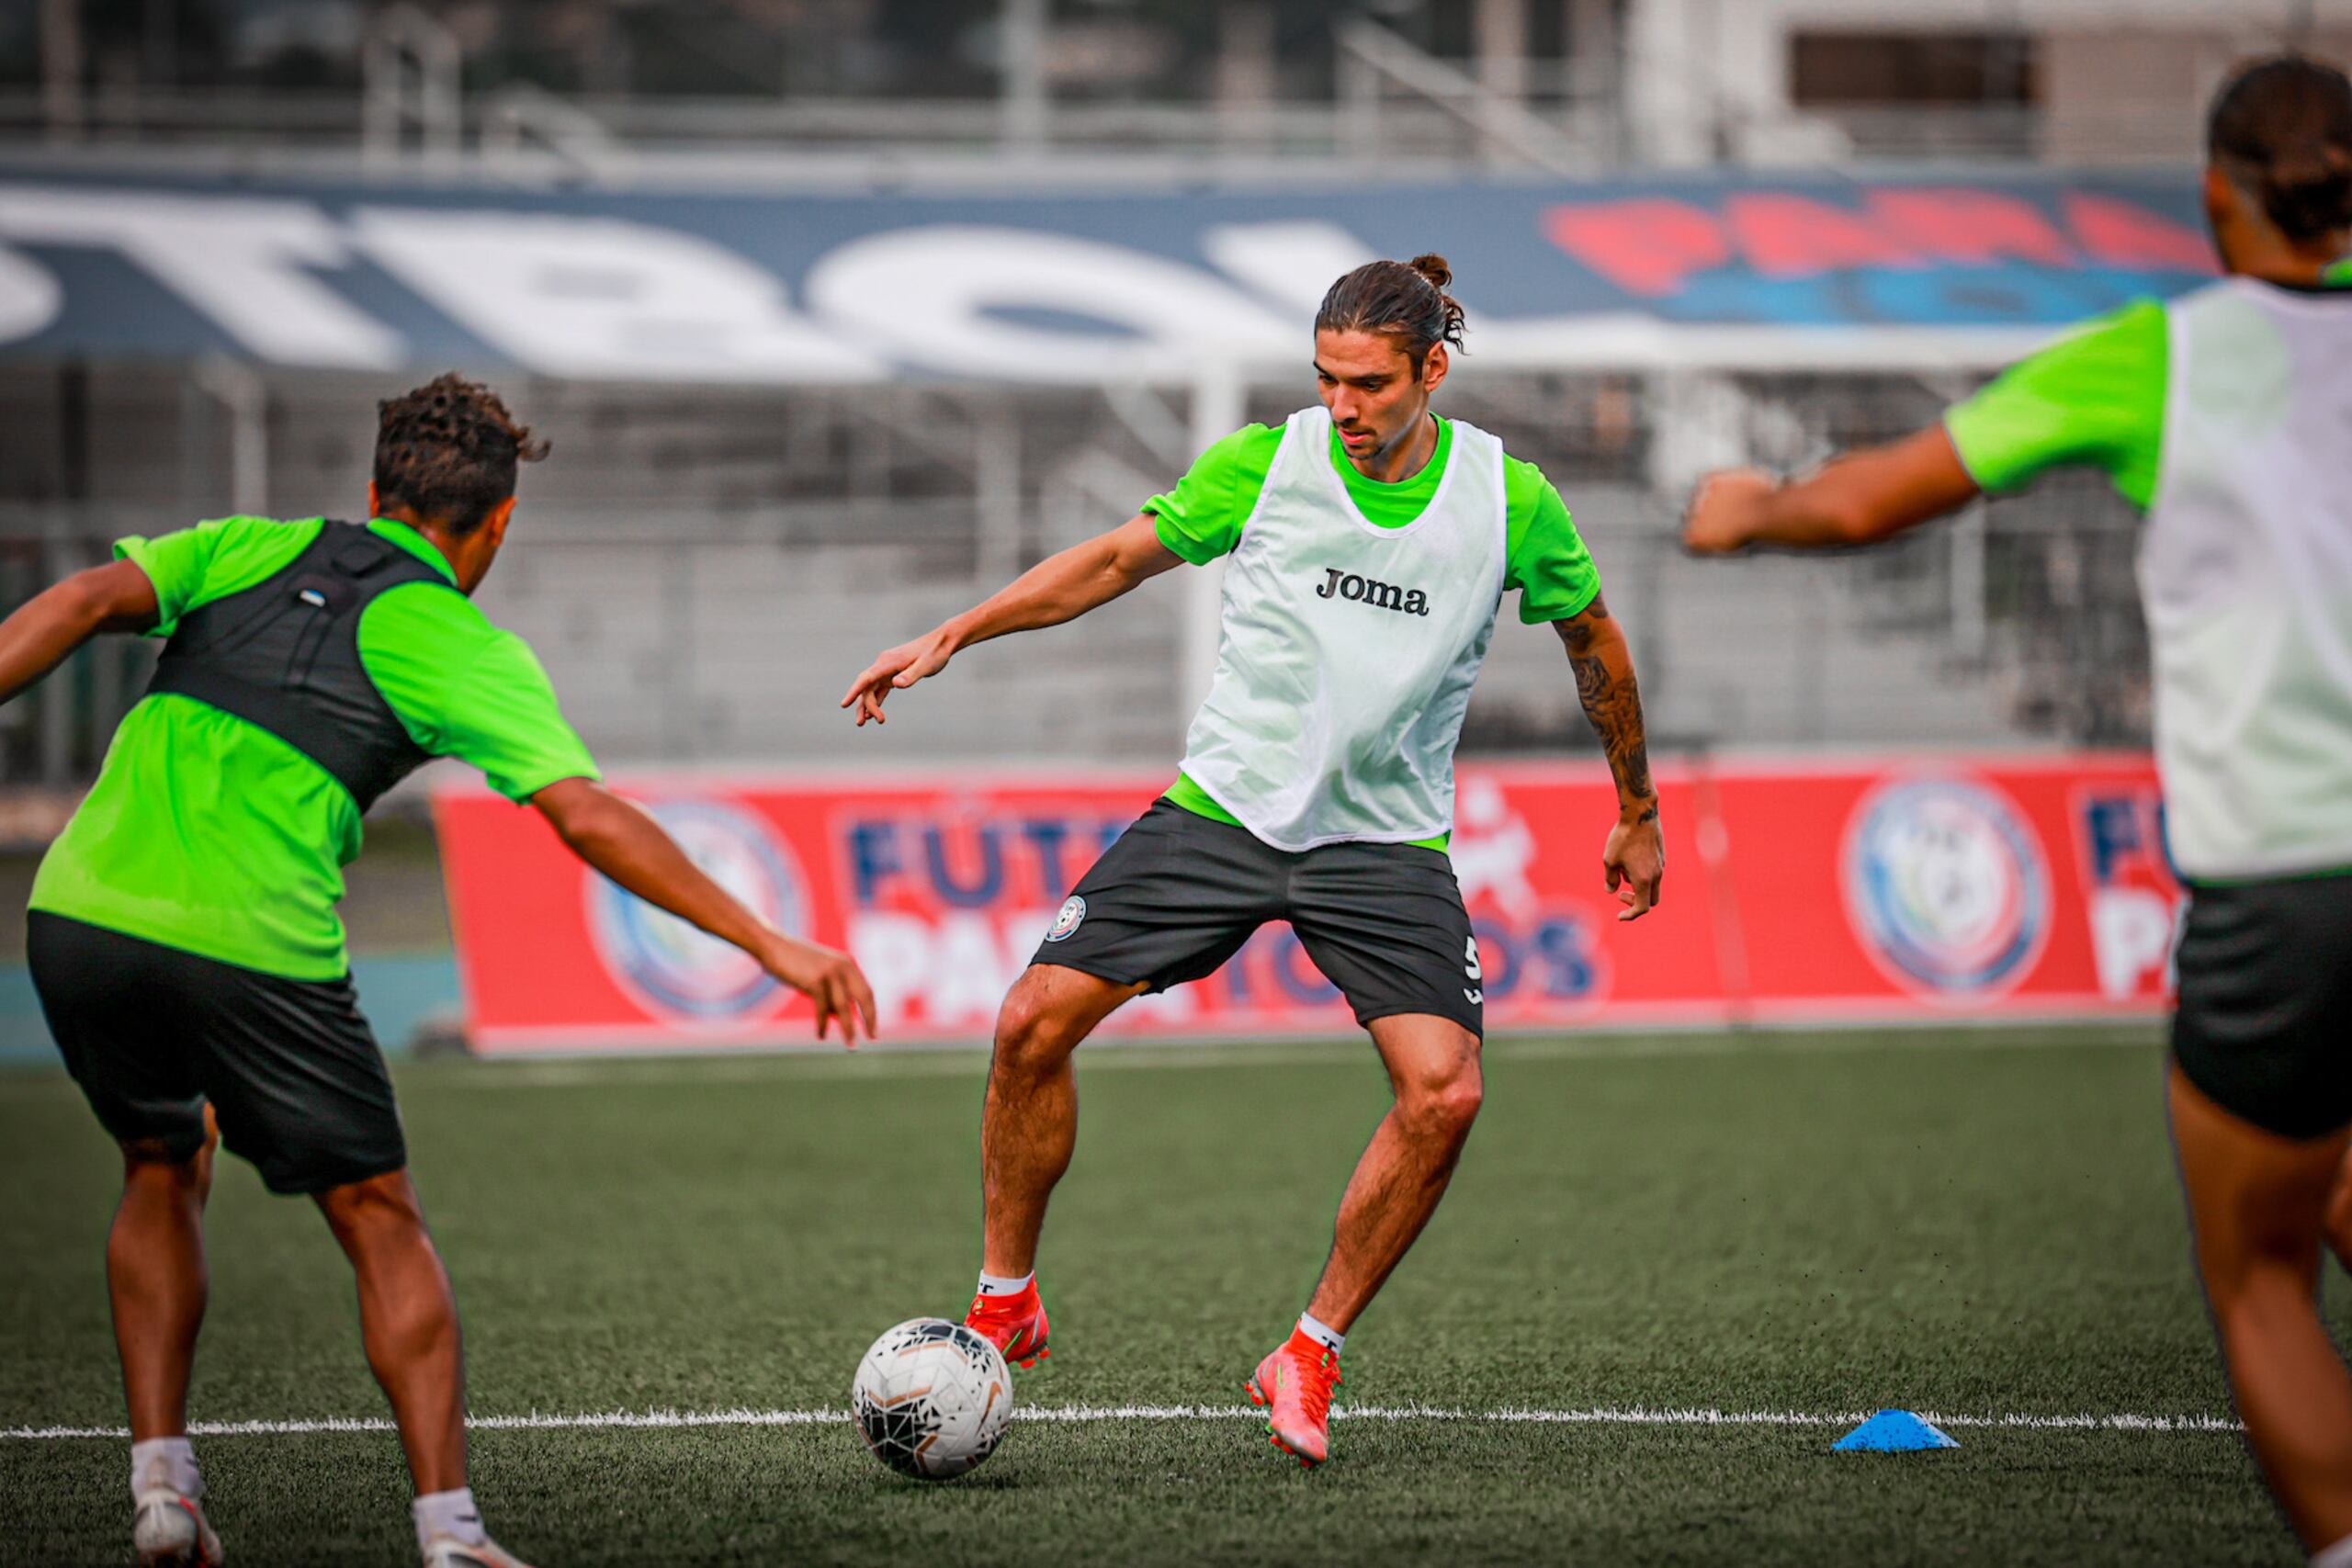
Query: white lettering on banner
[[1291, 264], [926, 295], [949, 972], [2133, 932], [239, 262], [601, 297], [29, 296]]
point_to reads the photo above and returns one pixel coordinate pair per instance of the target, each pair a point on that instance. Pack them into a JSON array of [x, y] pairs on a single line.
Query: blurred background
[[842, 313]]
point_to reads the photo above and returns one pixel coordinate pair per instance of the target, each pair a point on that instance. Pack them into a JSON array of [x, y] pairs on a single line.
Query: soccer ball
[[932, 1398]]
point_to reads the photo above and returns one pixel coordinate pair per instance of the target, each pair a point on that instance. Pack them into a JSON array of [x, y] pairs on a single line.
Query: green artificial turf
[[1972, 1224]]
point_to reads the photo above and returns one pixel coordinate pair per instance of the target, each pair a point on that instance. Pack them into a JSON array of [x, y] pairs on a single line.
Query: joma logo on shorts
[[1381, 595]]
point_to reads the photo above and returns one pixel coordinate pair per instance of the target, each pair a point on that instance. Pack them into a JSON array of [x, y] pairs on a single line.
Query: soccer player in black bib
[[183, 934]]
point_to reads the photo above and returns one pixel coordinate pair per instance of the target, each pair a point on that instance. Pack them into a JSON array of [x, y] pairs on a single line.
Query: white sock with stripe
[[1003, 1285], [452, 1514], [1322, 1333], [165, 1461]]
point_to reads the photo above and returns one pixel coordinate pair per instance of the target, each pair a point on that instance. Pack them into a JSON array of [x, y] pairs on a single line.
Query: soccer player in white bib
[[2226, 416], [1370, 545]]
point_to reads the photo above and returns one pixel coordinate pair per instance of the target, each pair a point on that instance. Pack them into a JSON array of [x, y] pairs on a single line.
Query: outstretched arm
[[1635, 858], [116, 597], [621, 839], [1059, 588], [1858, 498]]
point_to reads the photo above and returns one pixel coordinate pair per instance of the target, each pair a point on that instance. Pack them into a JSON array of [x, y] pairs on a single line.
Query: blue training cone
[[1893, 1432]]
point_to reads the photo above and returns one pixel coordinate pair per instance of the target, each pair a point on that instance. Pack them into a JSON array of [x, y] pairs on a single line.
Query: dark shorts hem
[[319, 1177], [182, 1143], [2264, 1023], [1463, 1016], [152, 1034], [1110, 975], [1179, 895]]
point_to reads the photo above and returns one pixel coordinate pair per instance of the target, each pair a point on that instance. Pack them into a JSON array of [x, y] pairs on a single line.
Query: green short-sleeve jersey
[[208, 834], [1203, 517], [2095, 398], [1546, 559]]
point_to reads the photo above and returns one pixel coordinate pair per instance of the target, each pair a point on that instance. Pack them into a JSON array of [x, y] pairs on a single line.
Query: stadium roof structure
[[1716, 272]]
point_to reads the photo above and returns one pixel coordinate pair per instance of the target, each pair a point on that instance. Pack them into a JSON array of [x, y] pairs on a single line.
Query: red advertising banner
[[1893, 889]]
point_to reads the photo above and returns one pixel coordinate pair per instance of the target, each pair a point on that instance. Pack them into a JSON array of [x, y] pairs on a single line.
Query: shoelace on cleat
[[1317, 1380]]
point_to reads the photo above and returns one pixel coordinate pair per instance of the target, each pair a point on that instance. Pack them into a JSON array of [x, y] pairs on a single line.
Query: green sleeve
[[1547, 559], [1201, 519], [465, 689], [212, 560], [2095, 398]]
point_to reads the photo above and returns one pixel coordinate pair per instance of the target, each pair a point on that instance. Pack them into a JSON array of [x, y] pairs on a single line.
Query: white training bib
[[2246, 571], [1348, 651]]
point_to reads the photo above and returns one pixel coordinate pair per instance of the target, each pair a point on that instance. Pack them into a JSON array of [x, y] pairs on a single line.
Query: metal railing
[[692, 580]]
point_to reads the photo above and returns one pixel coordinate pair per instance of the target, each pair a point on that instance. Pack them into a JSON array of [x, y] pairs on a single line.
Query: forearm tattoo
[[1612, 701]]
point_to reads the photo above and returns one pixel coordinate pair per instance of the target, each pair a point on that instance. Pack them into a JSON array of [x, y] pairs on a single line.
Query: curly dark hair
[[2283, 128], [447, 452], [1405, 299]]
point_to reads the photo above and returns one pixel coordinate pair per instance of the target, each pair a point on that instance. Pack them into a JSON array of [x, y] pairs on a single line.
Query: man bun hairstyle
[[447, 452], [1406, 300], [2283, 129]]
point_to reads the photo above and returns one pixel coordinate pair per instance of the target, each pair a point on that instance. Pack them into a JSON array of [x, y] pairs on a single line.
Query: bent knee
[[1032, 1031], [377, 1203], [1448, 1104]]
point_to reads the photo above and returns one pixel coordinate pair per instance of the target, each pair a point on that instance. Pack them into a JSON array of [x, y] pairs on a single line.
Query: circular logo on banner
[[1946, 886], [673, 967], [1073, 911]]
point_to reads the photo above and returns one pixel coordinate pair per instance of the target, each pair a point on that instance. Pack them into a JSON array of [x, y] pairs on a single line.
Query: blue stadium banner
[[1071, 287]]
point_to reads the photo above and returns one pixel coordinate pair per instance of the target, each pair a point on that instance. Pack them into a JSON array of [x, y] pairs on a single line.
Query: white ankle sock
[[1322, 1333], [165, 1461], [1003, 1285], [451, 1514], [2337, 1556]]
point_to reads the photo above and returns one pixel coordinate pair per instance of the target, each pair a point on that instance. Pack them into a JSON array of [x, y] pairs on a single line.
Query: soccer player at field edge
[[2223, 417], [183, 935], [1370, 543]]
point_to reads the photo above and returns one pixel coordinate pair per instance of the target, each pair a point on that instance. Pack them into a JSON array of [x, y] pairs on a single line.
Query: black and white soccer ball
[[932, 1398]]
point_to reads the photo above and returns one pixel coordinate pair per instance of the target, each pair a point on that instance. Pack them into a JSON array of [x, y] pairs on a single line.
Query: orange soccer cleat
[[1296, 1382], [1016, 1325]]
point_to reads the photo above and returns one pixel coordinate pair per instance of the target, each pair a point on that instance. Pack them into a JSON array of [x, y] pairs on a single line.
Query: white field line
[[579, 1072], [1637, 1415], [636, 1070]]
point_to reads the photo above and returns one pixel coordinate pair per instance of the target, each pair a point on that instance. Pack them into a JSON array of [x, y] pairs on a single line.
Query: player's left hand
[[1634, 861], [1723, 511]]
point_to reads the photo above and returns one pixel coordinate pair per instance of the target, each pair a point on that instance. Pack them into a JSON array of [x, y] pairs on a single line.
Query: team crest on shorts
[[1073, 912], [1946, 886]]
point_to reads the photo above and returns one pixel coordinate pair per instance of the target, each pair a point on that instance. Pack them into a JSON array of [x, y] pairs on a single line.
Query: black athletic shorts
[[151, 1032], [1179, 893], [2265, 1026]]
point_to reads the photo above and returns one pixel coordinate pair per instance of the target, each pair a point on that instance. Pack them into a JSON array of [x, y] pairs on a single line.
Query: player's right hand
[[1725, 509], [1633, 863], [895, 669], [833, 980]]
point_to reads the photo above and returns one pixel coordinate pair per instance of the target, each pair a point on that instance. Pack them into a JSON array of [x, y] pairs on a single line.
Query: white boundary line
[[698, 1068], [1637, 1415]]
